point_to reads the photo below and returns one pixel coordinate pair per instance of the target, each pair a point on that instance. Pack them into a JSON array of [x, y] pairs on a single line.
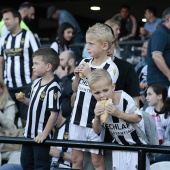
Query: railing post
[[141, 160]]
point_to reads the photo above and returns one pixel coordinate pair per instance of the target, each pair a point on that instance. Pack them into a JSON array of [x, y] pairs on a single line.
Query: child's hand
[[99, 110], [54, 152], [111, 109], [85, 69], [40, 138], [76, 72], [19, 98]]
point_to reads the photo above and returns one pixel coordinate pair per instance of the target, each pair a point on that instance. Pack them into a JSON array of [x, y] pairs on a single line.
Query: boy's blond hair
[[97, 75], [102, 32]]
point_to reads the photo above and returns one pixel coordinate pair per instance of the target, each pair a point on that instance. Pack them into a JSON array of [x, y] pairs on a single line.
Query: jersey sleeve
[[54, 46], [54, 100], [33, 43], [114, 72]]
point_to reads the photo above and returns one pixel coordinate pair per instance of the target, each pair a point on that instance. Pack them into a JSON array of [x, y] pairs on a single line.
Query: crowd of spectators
[[60, 94]]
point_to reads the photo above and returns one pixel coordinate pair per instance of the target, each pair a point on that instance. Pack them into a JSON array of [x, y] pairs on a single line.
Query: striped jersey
[[122, 131], [83, 111], [43, 100], [62, 134], [57, 47], [17, 53]]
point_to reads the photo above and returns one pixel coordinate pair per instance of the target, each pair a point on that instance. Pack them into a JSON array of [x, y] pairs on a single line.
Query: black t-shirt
[[128, 80]]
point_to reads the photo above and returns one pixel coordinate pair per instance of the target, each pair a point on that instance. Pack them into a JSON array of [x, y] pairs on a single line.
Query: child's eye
[[96, 93], [105, 90]]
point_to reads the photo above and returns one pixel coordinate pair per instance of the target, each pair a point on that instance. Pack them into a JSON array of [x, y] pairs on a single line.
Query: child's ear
[[49, 66], [105, 46], [113, 87], [160, 96]]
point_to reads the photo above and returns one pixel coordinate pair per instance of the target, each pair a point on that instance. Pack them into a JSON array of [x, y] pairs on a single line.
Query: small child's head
[[156, 93], [101, 35], [101, 85], [45, 60]]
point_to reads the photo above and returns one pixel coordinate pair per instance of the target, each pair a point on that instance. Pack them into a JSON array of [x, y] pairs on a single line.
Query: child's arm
[[50, 124], [56, 153], [97, 127], [130, 117], [76, 80], [24, 100]]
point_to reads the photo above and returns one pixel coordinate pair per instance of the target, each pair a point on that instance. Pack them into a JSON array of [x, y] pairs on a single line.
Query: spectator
[[120, 120], [141, 69], [128, 27], [152, 21], [65, 74], [99, 39], [62, 16], [16, 55], [61, 155], [158, 53], [159, 109], [44, 106], [64, 38], [26, 11], [127, 23], [8, 111], [116, 29]]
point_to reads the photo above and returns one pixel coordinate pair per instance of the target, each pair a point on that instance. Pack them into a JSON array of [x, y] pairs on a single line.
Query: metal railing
[[142, 149]]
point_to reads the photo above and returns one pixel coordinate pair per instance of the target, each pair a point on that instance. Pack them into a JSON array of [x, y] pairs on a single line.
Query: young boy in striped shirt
[[120, 119], [99, 39], [44, 106]]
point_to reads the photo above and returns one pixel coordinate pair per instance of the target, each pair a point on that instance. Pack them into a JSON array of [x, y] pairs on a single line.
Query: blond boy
[[120, 118], [99, 39]]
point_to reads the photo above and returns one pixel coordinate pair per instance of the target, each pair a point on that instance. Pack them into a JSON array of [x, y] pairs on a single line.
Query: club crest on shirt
[[42, 96], [114, 72], [22, 40], [55, 95], [66, 136]]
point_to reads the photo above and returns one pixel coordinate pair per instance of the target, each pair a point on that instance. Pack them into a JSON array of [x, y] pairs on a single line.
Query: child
[[99, 39], [44, 106], [64, 39], [159, 109], [120, 118]]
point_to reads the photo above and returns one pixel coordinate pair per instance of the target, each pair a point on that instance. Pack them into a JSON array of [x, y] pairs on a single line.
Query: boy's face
[[39, 66], [94, 47], [102, 90]]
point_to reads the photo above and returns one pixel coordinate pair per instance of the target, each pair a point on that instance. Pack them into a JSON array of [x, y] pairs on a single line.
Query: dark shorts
[[22, 108]]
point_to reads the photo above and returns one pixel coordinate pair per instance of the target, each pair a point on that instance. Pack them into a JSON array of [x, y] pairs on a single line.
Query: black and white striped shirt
[[62, 133], [122, 131], [83, 111], [17, 52], [43, 100]]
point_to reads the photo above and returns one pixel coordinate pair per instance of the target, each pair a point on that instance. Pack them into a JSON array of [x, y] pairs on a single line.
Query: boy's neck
[[48, 77], [99, 60]]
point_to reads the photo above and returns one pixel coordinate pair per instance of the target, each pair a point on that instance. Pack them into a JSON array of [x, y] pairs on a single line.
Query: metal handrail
[[141, 149]]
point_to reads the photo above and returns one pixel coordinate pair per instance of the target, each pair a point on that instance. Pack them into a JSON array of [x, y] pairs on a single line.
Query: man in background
[[27, 12], [158, 56], [64, 75]]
